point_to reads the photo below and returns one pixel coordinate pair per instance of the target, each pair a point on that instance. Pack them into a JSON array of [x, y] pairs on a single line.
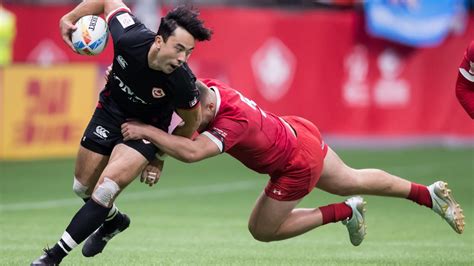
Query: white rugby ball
[[91, 35]]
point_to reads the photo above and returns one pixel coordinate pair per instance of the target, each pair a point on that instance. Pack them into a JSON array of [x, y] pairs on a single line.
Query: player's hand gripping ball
[[91, 35]]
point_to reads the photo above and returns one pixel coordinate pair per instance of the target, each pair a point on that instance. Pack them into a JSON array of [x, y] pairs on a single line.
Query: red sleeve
[[465, 94], [465, 82], [226, 132]]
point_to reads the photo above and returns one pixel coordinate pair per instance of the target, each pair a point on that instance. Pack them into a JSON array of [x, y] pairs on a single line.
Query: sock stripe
[[68, 241], [112, 214], [63, 246]]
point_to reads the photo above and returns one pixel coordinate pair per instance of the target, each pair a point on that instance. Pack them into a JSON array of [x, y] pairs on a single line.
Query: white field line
[[415, 170], [137, 195]]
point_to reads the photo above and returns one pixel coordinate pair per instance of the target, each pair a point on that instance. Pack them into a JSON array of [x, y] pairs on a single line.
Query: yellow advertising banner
[[44, 110]]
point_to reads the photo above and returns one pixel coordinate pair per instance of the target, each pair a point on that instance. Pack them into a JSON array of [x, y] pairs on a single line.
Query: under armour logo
[[277, 191]]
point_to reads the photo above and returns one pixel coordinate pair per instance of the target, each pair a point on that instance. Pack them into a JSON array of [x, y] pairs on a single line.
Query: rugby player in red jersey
[[465, 81], [291, 151]]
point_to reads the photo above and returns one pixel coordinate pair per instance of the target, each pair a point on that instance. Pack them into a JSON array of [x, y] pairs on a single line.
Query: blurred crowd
[[383, 16], [259, 3]]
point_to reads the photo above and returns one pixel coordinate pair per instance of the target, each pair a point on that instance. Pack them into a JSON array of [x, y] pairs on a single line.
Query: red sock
[[335, 212], [420, 195]]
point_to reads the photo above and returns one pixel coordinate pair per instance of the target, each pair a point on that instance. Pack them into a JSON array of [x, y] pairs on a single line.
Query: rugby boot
[[445, 205], [97, 241], [47, 259], [356, 224]]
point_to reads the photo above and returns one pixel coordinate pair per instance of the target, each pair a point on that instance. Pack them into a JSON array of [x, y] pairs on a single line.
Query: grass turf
[[197, 215]]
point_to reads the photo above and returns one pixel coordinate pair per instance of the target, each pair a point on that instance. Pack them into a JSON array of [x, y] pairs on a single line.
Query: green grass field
[[197, 215]]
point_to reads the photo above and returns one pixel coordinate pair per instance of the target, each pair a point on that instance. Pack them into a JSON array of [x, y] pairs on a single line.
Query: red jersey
[[465, 81], [260, 140]]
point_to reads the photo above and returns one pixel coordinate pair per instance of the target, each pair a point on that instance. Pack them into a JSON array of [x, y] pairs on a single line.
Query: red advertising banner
[[318, 64]]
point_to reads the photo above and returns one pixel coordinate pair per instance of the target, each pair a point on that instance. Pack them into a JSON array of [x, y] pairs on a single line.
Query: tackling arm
[[192, 120], [181, 148]]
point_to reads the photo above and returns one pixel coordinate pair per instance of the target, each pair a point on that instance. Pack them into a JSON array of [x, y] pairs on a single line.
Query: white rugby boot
[[356, 224], [445, 205]]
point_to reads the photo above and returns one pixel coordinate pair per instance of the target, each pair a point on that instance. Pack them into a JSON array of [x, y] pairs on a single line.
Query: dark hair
[[186, 18]]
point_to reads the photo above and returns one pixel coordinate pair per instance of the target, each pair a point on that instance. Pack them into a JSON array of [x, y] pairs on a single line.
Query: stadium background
[[381, 103]]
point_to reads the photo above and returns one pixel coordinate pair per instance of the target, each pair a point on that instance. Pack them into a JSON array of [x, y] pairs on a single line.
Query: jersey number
[[251, 103]]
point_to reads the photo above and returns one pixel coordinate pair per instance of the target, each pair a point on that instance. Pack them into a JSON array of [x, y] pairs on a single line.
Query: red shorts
[[300, 175]]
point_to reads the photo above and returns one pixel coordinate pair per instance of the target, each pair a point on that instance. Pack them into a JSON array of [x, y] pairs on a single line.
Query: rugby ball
[[91, 35]]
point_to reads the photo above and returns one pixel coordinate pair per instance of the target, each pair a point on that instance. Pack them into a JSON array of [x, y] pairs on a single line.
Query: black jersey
[[137, 90]]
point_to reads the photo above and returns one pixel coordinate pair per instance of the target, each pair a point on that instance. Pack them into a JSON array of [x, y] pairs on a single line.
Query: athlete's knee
[[260, 235], [80, 189], [106, 192]]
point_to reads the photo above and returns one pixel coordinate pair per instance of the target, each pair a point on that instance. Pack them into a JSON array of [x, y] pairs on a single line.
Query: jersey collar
[[218, 98]]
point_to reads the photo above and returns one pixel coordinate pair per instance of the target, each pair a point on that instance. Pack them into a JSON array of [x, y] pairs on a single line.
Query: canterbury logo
[[122, 62], [101, 132]]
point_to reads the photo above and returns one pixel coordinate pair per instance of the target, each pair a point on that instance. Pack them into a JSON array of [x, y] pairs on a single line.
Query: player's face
[[175, 51]]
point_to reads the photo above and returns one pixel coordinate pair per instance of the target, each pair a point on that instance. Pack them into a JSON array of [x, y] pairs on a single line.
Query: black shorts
[[104, 132]]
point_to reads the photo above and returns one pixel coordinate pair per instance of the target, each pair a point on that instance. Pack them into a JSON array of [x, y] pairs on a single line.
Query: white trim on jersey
[[466, 74], [218, 98], [122, 8], [213, 138]]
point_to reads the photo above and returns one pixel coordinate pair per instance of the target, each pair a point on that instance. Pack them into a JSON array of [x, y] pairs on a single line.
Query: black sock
[[86, 221], [112, 222], [57, 253]]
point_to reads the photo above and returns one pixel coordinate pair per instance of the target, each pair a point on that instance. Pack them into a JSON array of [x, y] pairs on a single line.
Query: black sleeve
[[126, 28], [183, 83]]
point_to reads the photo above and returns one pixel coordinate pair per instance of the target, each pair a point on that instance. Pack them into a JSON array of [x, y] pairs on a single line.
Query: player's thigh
[[336, 174], [268, 214], [125, 163], [89, 166]]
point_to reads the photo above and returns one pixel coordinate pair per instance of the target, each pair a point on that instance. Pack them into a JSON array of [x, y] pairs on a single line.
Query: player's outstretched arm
[[86, 7], [181, 148], [191, 118]]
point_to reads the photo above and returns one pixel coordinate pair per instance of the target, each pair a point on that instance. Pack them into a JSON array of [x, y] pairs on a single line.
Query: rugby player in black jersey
[[149, 80]]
